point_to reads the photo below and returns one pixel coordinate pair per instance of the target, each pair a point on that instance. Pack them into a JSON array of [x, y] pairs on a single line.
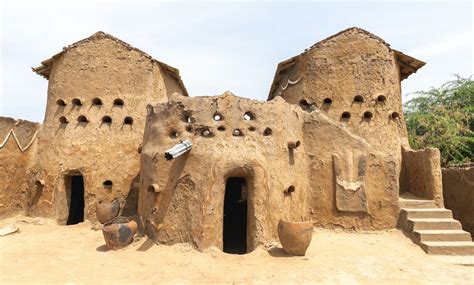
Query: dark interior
[[76, 208], [235, 216]]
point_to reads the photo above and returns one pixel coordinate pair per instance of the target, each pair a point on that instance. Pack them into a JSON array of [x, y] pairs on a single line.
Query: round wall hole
[[368, 115], [248, 116], [61, 102], [346, 115], [359, 99]]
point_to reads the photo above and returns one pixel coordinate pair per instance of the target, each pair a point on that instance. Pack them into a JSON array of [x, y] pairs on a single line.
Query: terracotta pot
[[119, 232], [107, 211], [295, 236]]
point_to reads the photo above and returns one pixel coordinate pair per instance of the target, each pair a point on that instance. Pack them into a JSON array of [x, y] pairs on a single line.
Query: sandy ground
[[43, 252]]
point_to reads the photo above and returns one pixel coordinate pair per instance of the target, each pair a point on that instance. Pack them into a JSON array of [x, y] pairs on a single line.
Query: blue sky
[[219, 46]]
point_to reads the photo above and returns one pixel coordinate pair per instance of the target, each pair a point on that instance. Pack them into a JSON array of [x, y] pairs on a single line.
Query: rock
[[8, 229]]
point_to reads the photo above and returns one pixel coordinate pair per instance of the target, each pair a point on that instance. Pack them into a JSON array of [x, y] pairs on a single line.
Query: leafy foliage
[[443, 118]]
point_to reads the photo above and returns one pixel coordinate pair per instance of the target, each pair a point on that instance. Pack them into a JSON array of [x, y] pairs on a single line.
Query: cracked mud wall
[[458, 193], [185, 203], [113, 85], [346, 76], [18, 139], [189, 204]]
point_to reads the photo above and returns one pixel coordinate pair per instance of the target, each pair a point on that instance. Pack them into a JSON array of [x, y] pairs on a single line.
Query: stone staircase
[[433, 228]]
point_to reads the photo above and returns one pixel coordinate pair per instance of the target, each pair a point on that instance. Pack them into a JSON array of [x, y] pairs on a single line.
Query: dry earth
[[43, 252]]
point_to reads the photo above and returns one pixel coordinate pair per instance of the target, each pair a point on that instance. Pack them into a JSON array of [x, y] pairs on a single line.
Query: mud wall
[[338, 178], [421, 174], [189, 204], [353, 78], [458, 193], [95, 116], [17, 148]]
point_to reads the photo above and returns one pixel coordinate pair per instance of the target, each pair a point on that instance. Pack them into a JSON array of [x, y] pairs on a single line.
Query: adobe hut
[[86, 150], [329, 146]]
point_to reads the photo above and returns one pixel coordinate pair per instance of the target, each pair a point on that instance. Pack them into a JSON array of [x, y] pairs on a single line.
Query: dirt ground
[[43, 252]]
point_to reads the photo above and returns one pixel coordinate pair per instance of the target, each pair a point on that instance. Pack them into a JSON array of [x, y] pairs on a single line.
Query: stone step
[[437, 213], [417, 203], [441, 235], [414, 224], [448, 248]]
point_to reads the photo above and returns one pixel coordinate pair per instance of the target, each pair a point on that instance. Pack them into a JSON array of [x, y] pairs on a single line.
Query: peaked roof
[[408, 65], [46, 65]]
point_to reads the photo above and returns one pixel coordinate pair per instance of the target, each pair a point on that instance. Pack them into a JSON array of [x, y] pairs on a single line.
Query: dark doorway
[[235, 216], [75, 189]]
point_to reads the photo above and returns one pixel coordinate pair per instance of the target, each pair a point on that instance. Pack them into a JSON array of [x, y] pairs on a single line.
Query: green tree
[[443, 118]]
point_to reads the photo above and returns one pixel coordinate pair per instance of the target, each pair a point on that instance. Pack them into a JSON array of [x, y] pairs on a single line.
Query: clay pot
[[107, 211], [119, 232], [295, 236]]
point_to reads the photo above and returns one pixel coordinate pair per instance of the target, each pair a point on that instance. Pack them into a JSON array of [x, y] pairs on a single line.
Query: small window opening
[[395, 115], [107, 184], [327, 101], [61, 102], [305, 105], [368, 115], [96, 102], [106, 120], [39, 183], [153, 188], [128, 120], [82, 119], [237, 133], [381, 98], [267, 132], [290, 189], [76, 102], [186, 117], [174, 134], [358, 99], [217, 117], [346, 115], [252, 129], [63, 120], [248, 116], [206, 132], [221, 128], [118, 103]]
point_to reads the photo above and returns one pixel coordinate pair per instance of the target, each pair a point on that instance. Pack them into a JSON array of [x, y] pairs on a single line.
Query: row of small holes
[[367, 115], [248, 116], [207, 132], [357, 99], [105, 119], [95, 102]]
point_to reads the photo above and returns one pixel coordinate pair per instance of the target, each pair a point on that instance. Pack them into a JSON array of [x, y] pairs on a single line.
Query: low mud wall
[[458, 192]]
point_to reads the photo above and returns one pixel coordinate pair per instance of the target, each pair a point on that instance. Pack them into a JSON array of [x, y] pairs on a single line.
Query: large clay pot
[[119, 232], [295, 236], [107, 211]]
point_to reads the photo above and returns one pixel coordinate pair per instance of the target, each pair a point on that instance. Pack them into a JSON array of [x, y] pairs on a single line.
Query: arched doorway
[[235, 216], [75, 197]]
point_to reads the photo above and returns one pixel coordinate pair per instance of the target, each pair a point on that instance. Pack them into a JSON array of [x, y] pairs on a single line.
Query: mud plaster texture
[[16, 153], [329, 146], [188, 206], [458, 193], [98, 68]]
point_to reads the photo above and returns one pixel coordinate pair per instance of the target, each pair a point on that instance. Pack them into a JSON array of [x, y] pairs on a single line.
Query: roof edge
[[410, 64], [45, 67]]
